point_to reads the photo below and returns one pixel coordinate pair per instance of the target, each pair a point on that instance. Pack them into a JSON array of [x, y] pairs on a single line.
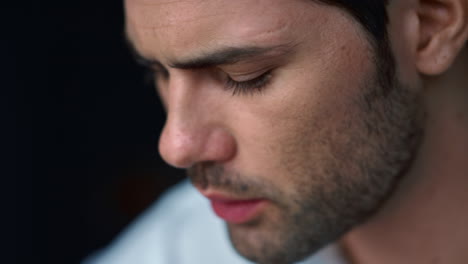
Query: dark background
[[79, 130]]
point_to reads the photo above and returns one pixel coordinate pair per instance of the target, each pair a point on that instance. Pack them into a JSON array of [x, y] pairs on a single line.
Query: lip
[[236, 211]]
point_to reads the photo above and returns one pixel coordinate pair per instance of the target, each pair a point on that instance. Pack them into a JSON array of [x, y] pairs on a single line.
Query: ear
[[443, 31]]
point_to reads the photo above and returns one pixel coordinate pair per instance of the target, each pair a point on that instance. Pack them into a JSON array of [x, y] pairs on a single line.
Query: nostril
[[220, 146]]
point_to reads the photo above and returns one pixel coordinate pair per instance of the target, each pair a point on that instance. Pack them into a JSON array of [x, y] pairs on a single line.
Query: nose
[[182, 147], [193, 132]]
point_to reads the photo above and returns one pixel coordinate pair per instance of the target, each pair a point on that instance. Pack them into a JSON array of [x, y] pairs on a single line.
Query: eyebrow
[[223, 56]]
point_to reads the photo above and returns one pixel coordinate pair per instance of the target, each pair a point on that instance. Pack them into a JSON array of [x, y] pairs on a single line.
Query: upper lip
[[219, 196]]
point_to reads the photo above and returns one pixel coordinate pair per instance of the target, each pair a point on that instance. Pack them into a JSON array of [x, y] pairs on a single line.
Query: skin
[[424, 220], [318, 141]]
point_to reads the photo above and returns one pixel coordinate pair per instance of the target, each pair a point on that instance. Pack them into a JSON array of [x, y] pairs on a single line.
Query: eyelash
[[250, 87]]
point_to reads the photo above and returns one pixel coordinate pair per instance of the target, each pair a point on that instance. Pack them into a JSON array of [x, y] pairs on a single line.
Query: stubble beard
[[365, 159]]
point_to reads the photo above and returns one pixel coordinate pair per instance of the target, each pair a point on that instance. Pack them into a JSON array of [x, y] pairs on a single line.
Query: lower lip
[[237, 212]]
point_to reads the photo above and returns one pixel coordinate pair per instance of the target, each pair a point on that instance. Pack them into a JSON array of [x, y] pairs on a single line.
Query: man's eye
[[152, 75], [250, 86]]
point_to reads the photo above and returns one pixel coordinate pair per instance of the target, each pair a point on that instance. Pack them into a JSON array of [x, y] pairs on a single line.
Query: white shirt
[[181, 228]]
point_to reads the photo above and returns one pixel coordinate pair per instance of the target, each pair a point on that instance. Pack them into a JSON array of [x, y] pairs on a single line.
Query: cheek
[[290, 131]]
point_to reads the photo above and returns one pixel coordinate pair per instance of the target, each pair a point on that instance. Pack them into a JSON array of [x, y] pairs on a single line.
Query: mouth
[[236, 211]]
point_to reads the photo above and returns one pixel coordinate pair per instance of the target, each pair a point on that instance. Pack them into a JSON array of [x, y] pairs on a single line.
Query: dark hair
[[373, 17], [371, 14]]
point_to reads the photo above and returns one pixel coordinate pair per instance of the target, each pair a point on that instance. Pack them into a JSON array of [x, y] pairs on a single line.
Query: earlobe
[[443, 27]]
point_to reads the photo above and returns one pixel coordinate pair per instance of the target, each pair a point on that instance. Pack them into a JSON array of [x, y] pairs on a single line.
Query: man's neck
[[426, 219]]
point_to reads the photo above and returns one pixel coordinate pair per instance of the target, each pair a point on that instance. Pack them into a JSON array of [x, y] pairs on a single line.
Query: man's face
[[307, 135]]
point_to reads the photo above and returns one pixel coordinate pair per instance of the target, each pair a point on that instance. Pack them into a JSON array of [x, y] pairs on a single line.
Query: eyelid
[[243, 77], [251, 86]]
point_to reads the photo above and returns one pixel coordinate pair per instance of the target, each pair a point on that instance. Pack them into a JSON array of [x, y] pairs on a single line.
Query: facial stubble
[[362, 163]]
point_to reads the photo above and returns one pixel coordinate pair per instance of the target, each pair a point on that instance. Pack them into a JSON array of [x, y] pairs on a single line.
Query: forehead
[[167, 29]]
